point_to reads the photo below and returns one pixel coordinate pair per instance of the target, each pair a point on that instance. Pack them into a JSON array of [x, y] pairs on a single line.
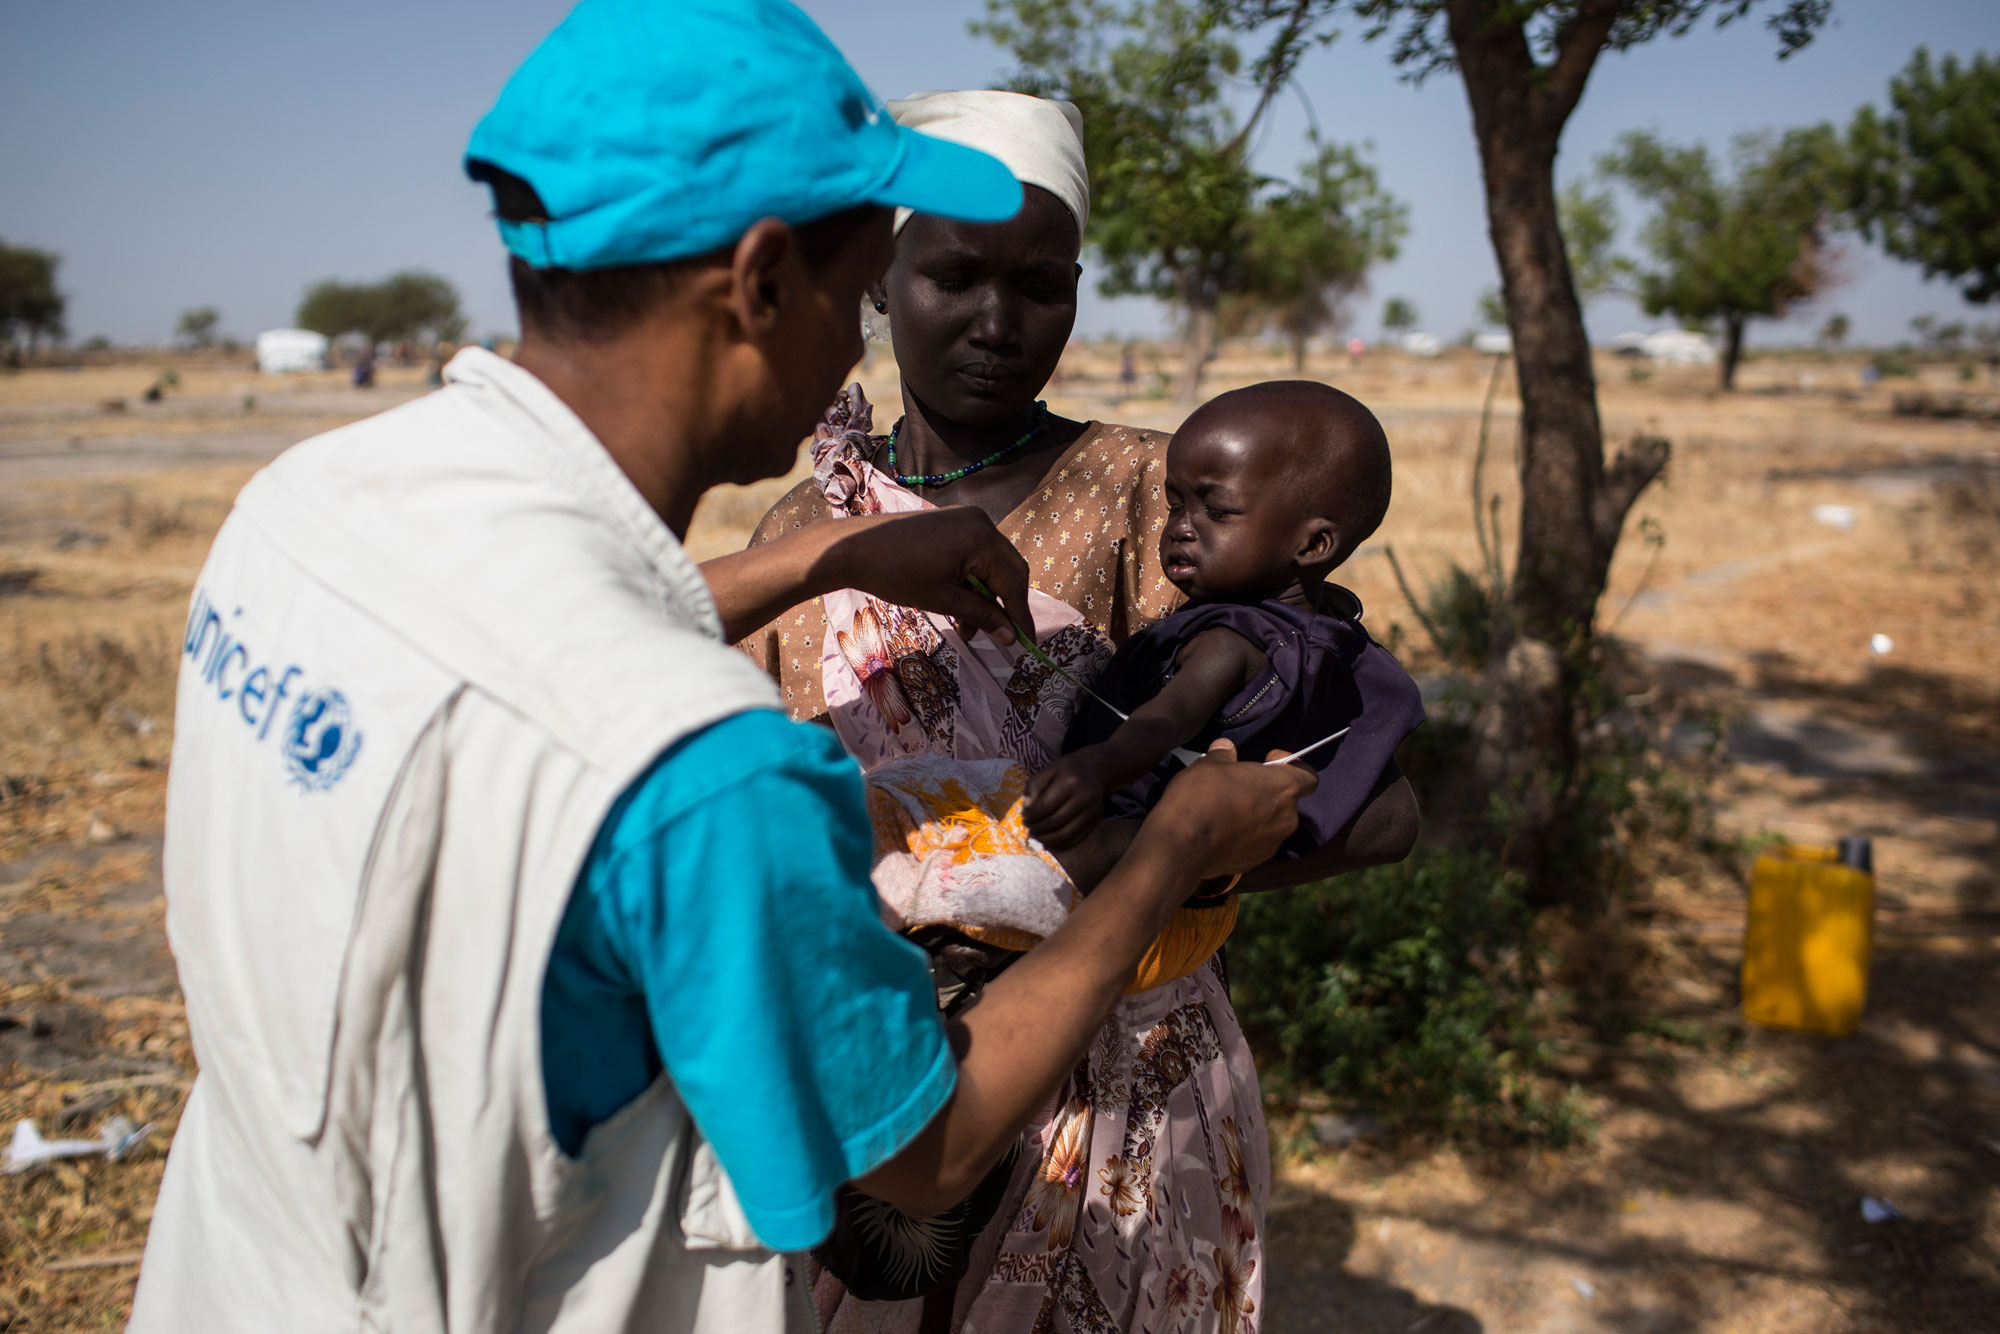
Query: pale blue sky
[[228, 153]]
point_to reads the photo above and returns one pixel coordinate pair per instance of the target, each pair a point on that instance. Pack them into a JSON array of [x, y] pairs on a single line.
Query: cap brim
[[951, 181]]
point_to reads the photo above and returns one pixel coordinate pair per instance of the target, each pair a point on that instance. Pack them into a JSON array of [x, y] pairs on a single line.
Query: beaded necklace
[[947, 478]]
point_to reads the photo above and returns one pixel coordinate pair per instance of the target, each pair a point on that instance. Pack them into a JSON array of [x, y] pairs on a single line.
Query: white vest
[[426, 654]]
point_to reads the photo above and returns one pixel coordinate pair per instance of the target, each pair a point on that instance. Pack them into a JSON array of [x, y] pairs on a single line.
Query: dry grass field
[[1721, 1190]]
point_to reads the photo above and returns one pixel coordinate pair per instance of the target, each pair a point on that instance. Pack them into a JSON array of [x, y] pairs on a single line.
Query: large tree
[[1729, 249], [1925, 175], [31, 306], [1524, 65], [404, 305]]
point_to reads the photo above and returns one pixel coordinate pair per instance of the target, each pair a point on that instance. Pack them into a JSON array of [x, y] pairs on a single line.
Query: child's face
[[1234, 528]]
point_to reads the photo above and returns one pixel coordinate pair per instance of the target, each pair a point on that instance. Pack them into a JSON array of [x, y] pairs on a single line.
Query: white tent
[[282, 351], [1679, 347]]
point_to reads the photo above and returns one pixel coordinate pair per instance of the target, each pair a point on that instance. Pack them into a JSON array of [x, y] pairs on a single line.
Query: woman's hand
[[926, 559], [918, 560], [1235, 814]]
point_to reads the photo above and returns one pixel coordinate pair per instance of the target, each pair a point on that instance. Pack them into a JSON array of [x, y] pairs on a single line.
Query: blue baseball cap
[[653, 130]]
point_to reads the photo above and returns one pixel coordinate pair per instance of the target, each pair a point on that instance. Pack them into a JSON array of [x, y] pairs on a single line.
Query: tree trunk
[[1732, 349], [1299, 340], [1199, 347], [1524, 744]]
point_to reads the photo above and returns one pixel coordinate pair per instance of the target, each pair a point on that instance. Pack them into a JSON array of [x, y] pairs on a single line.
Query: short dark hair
[[593, 305]]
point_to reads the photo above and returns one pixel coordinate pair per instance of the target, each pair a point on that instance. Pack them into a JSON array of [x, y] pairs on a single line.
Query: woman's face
[[980, 312]]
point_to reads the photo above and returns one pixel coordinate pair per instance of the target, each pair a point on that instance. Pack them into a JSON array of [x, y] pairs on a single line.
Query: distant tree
[[1940, 338], [1524, 65], [1590, 228], [1834, 332], [404, 305], [1730, 250], [197, 327], [1985, 339], [1924, 178], [1312, 243], [31, 306], [1493, 308], [1399, 316]]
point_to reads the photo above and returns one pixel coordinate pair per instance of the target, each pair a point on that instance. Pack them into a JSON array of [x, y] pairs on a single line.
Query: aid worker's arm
[[1034, 1022], [914, 560]]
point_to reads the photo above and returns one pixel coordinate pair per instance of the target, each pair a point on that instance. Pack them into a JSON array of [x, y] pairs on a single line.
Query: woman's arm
[[1034, 1022], [915, 560]]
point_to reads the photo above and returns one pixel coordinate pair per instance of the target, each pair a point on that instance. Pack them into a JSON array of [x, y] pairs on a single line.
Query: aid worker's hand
[[926, 559], [1236, 814]]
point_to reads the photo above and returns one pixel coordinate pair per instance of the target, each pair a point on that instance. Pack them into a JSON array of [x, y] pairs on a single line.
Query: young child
[[1269, 489]]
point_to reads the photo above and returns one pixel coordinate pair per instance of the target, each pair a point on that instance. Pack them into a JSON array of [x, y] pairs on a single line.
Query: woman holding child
[[1138, 1203]]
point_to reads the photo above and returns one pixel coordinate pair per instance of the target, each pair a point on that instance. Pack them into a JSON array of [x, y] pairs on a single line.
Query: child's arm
[[1066, 800]]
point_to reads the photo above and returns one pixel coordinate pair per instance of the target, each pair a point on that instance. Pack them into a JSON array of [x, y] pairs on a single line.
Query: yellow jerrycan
[[1807, 942]]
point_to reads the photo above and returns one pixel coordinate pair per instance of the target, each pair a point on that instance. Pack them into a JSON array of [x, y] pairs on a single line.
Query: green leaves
[[1730, 247], [30, 305], [1177, 212], [403, 305], [1924, 178], [1312, 241]]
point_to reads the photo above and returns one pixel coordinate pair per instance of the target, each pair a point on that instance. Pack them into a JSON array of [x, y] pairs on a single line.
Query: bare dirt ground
[[1721, 1189]]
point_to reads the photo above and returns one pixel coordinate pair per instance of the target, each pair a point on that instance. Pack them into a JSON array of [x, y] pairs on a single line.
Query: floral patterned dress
[[1139, 1205]]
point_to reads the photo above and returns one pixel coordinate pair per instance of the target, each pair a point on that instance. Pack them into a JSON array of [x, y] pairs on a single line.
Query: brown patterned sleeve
[[1144, 595], [789, 647]]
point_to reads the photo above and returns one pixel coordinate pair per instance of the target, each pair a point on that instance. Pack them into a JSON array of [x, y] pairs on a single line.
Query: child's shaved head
[[1328, 449]]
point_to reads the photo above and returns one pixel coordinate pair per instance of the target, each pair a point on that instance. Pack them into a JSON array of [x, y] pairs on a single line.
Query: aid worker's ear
[[762, 274]]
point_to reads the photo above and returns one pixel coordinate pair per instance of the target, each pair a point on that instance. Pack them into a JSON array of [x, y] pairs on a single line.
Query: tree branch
[[1279, 63], [1644, 459], [1578, 45]]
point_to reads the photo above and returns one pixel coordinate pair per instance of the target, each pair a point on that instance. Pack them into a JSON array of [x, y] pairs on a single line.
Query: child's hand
[[1065, 801]]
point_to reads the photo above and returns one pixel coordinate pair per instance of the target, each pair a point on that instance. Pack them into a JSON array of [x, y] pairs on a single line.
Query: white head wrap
[[1039, 139]]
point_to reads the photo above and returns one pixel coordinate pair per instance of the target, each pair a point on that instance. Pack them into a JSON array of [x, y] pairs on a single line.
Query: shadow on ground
[[1309, 1288]]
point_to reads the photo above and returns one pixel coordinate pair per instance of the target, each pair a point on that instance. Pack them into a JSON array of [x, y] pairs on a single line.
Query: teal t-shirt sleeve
[[732, 886]]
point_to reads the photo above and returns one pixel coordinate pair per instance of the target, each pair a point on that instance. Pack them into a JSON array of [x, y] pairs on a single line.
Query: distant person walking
[[531, 957]]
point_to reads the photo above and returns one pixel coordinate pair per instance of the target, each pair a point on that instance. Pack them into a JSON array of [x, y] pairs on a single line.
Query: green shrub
[[1404, 988], [1896, 362]]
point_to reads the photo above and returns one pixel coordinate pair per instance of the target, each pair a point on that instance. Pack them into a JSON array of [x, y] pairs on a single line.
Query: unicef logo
[[321, 740]]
